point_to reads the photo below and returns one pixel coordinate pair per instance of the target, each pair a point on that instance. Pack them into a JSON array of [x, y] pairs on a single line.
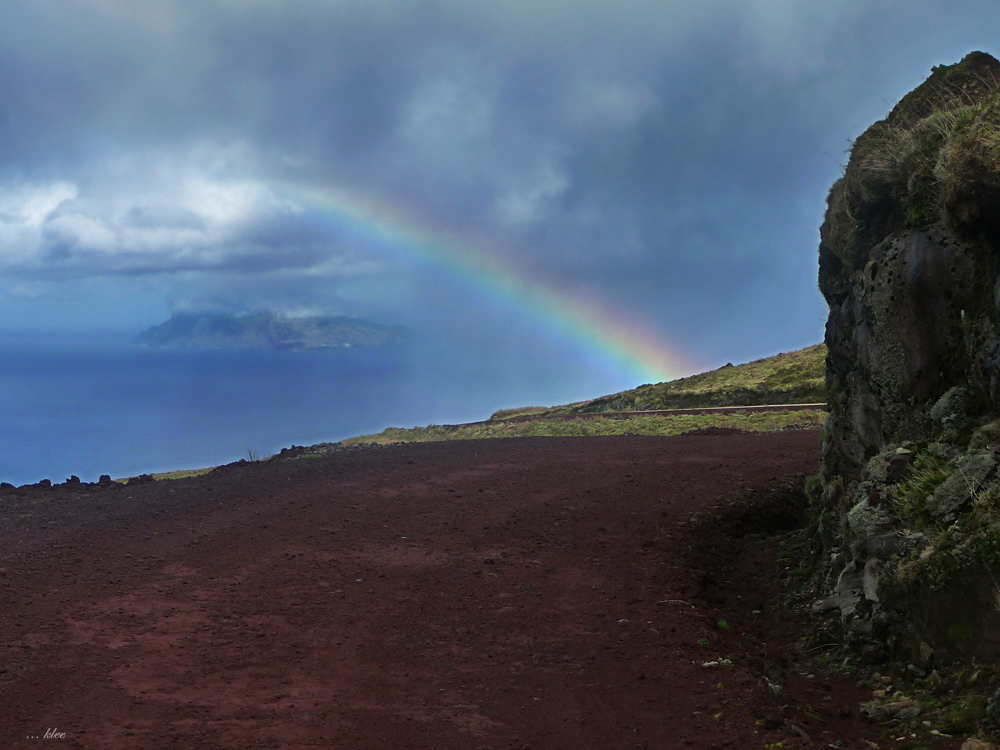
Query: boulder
[[968, 480], [865, 519], [884, 546], [869, 581], [900, 466], [850, 588]]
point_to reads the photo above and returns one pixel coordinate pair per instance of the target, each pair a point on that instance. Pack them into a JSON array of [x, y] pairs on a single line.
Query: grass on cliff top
[[633, 424], [787, 378], [935, 158], [793, 377], [183, 473], [179, 474]]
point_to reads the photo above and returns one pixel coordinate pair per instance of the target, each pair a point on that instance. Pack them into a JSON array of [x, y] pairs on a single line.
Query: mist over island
[[269, 331]]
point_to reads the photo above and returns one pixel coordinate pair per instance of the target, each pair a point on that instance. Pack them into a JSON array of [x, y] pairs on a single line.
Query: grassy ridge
[[794, 377], [788, 378], [633, 424]]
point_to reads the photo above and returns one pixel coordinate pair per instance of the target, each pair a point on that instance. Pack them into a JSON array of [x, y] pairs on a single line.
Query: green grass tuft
[[935, 158], [909, 498]]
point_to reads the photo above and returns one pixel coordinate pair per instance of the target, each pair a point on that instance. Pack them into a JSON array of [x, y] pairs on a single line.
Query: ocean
[[91, 406]]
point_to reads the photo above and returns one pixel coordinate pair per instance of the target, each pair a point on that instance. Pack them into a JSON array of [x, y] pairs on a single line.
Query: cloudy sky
[[667, 159]]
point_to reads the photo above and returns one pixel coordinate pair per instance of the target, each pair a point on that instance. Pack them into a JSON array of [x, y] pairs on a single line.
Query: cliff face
[[908, 264]]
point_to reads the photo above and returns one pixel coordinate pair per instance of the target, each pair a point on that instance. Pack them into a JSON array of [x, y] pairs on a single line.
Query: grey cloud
[[55, 230], [163, 215], [663, 151]]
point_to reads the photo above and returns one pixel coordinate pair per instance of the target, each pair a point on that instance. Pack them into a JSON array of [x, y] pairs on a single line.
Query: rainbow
[[581, 317]]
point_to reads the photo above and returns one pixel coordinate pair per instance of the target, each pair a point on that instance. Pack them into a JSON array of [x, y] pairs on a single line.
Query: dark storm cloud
[[673, 155]]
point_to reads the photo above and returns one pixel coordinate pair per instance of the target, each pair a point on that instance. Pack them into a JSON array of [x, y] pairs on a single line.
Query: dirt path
[[538, 593]]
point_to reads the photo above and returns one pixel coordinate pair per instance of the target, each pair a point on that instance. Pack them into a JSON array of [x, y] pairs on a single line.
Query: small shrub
[[909, 498]]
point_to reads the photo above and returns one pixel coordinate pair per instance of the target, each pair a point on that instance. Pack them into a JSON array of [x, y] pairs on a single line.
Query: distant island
[[269, 331]]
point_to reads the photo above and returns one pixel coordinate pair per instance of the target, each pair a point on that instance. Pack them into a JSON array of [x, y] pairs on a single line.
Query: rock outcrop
[[909, 263]]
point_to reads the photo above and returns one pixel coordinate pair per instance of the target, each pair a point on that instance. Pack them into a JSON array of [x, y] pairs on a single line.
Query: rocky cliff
[[909, 504]]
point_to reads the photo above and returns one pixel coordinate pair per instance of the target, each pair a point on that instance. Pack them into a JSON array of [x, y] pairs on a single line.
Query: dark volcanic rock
[[911, 278], [913, 326], [909, 263]]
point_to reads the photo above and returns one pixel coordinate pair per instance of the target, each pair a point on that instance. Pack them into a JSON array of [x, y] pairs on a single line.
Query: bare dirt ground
[[538, 593]]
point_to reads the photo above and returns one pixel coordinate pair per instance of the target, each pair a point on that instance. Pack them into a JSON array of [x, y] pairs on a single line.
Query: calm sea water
[[101, 407]]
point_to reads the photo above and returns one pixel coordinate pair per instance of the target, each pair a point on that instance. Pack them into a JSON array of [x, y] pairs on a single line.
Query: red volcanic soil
[[535, 593]]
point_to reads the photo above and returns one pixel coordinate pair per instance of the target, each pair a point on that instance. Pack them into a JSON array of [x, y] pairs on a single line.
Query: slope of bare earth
[[536, 593]]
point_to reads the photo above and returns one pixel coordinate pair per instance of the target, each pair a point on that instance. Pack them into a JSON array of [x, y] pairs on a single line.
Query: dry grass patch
[[638, 424]]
